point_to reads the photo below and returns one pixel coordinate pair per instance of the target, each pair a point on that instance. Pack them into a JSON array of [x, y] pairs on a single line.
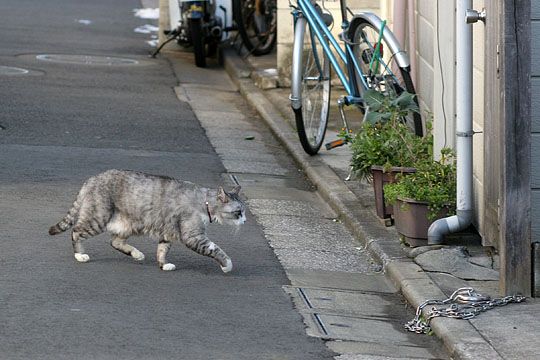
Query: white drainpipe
[[464, 130]]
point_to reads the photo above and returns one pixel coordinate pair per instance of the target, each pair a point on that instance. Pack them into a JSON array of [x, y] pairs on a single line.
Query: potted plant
[[424, 196], [385, 145]]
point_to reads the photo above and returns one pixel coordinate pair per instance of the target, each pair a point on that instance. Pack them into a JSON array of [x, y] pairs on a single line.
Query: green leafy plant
[[384, 139], [384, 107], [433, 182]]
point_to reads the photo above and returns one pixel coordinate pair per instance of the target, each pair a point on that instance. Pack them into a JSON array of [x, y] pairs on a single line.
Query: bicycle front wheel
[[380, 70], [257, 24], [312, 85]]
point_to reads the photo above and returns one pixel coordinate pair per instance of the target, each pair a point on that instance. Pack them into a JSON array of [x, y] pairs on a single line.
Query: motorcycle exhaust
[[216, 31]]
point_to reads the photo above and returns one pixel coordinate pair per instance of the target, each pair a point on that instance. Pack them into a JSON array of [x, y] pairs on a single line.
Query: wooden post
[[515, 244]]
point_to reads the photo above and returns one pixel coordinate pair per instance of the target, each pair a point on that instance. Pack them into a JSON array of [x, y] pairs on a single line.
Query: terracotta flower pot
[[381, 178], [411, 220]]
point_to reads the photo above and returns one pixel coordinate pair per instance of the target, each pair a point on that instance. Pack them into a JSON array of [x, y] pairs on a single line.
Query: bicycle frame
[[306, 10], [363, 63]]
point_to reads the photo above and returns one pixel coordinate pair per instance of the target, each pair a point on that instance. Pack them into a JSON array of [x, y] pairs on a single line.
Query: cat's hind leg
[[120, 244], [83, 230], [202, 245], [92, 220], [78, 249], [162, 250]]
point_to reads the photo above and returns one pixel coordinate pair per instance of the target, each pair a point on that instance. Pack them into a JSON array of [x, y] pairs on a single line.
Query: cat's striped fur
[[129, 203]]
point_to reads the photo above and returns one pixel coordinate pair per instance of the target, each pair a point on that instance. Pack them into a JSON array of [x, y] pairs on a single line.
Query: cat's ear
[[222, 195], [236, 189]]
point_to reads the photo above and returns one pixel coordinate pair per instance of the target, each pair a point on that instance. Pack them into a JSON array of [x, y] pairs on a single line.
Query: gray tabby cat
[[129, 203]]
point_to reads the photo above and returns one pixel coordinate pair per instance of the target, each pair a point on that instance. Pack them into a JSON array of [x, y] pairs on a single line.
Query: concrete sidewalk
[[501, 333]]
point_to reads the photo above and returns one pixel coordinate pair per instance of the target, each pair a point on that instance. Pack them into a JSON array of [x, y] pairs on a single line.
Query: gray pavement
[[508, 332], [301, 278], [334, 283], [64, 122]]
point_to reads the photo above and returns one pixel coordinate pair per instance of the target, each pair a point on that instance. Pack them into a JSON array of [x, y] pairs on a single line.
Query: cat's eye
[[238, 213]]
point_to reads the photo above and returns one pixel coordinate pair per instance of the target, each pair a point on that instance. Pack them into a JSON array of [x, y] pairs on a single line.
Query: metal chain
[[465, 303]]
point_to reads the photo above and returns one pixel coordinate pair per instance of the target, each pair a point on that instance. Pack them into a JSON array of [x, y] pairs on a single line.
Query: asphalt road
[[64, 122]]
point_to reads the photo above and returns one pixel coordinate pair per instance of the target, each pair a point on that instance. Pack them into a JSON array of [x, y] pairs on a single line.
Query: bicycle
[[256, 21], [372, 59]]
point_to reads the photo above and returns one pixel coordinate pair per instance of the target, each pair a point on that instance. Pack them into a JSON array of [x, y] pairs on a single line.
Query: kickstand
[[340, 142], [172, 35], [237, 44], [341, 104]]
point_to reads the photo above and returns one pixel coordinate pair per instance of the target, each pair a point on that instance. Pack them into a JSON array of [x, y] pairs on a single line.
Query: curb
[[461, 338]]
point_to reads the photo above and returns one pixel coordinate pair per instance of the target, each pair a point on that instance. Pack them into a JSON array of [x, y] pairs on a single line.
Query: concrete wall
[[479, 38], [535, 121]]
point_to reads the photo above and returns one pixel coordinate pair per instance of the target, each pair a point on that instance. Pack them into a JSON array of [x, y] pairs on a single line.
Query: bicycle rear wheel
[[257, 24], [380, 68], [312, 86], [198, 41]]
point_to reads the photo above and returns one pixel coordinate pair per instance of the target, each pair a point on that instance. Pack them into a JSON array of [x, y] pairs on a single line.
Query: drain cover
[[8, 70], [352, 328], [86, 59]]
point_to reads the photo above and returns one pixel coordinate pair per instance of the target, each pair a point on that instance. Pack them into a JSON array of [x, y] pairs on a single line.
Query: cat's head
[[229, 209]]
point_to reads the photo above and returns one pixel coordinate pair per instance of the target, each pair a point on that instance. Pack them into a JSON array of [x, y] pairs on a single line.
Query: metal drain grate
[[87, 59], [9, 70]]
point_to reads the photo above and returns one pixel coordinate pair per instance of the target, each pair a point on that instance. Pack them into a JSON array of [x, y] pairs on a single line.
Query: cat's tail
[[67, 221]]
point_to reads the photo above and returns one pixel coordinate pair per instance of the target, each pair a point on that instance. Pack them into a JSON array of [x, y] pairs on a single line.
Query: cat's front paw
[[81, 257], [228, 266], [137, 255], [168, 267]]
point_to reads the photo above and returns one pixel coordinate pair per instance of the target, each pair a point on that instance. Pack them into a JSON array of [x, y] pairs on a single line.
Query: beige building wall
[[478, 115], [435, 80], [432, 52]]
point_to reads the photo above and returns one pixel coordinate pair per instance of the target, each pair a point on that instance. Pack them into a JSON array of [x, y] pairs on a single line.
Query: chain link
[[465, 303]]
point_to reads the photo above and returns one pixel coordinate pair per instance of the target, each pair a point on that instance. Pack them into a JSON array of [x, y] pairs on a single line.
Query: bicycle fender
[[402, 58], [296, 71]]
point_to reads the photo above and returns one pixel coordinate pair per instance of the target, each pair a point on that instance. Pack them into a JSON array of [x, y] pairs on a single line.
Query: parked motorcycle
[[196, 24]]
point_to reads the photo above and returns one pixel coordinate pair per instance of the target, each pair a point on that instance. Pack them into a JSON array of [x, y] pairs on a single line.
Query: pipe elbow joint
[[437, 230], [442, 227]]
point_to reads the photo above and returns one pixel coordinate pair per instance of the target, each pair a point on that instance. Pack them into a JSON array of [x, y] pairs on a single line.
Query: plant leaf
[[375, 117], [404, 100], [374, 99], [414, 107]]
